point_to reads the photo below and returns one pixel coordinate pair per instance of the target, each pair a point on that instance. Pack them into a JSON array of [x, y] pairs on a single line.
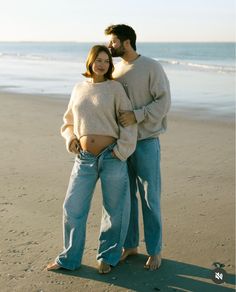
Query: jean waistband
[[109, 147]]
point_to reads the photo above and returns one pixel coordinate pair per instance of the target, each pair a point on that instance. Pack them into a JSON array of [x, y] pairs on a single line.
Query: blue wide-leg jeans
[[113, 174], [145, 177]]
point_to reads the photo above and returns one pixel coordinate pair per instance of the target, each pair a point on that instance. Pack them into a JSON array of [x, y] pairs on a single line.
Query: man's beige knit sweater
[[93, 110], [147, 86]]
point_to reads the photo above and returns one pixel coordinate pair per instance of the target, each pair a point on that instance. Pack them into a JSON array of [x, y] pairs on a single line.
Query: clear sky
[[85, 20]]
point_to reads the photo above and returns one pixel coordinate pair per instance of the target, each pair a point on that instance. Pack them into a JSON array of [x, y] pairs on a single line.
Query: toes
[[105, 271], [153, 263], [104, 268], [52, 267], [150, 267], [153, 268]]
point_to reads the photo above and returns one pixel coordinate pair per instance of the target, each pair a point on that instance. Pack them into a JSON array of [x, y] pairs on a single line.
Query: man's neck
[[130, 56]]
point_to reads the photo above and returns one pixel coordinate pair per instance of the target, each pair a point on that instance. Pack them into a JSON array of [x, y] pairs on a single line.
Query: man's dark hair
[[123, 32]]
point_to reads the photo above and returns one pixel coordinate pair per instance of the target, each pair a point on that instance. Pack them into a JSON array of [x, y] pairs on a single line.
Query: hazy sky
[[153, 20]]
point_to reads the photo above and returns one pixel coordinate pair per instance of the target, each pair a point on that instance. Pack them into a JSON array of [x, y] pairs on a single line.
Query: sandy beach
[[198, 205]]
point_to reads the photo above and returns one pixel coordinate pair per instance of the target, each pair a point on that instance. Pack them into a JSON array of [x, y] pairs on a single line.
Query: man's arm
[[158, 108], [127, 118]]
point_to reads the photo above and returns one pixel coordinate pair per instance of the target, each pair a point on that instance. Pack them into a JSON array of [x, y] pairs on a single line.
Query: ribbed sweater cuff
[[139, 115], [117, 153], [68, 142]]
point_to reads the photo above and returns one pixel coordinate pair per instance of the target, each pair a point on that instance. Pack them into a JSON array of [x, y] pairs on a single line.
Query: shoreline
[[177, 109], [198, 186]]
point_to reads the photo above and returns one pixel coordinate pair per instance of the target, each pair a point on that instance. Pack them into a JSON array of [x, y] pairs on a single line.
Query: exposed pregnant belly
[[95, 143]]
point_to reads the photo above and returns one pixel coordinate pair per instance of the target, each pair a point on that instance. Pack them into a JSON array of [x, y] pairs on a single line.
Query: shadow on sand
[[172, 276]]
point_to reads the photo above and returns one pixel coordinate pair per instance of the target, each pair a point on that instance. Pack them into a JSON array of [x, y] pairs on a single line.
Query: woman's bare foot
[[53, 266], [153, 262], [127, 252], [103, 268]]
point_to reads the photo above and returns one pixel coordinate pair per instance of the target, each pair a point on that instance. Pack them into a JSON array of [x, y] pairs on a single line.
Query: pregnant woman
[[102, 146]]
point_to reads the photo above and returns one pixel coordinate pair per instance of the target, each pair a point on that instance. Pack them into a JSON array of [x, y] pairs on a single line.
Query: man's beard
[[118, 52]]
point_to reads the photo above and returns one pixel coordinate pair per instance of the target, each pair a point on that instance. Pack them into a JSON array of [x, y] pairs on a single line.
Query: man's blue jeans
[[145, 176], [113, 174]]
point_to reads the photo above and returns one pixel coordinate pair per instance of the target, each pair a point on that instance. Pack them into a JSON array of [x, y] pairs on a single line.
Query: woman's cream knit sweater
[[93, 110]]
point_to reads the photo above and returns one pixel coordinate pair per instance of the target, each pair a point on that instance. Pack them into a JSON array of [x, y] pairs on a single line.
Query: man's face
[[116, 46]]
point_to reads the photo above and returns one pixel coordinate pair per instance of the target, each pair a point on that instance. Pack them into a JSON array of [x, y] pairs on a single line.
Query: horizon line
[[73, 41]]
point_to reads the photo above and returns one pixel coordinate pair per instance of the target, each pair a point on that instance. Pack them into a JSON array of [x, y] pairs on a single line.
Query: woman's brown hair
[[92, 55]]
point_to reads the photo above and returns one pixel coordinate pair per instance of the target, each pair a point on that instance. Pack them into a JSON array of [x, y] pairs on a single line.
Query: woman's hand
[[74, 146]]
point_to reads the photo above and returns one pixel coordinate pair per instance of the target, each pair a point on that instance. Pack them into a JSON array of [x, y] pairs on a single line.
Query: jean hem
[[66, 266], [158, 251]]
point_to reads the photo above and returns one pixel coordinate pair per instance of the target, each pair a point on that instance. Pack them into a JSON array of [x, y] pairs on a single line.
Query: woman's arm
[[67, 129]]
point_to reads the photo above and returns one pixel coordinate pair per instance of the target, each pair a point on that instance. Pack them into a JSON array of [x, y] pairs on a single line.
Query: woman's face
[[101, 64]]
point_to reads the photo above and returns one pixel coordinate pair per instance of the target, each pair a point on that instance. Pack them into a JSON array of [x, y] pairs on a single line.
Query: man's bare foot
[[52, 267], [103, 268], [128, 252], [153, 262]]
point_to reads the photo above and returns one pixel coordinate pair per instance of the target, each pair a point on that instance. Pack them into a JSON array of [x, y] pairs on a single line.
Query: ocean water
[[202, 75]]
